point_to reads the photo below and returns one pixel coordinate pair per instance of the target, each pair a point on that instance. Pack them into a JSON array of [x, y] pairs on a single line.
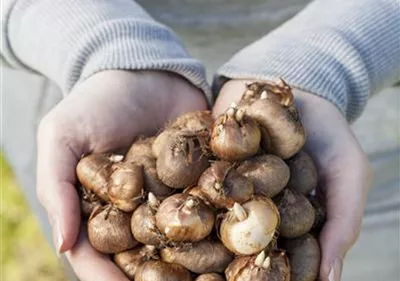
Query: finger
[[345, 207], [344, 176], [55, 185], [345, 189], [89, 264]]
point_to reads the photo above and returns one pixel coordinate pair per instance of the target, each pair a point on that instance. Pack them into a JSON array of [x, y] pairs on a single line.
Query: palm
[[104, 113]]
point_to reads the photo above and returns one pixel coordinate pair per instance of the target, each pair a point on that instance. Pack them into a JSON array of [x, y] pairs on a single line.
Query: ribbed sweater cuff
[[340, 50], [133, 45], [68, 41]]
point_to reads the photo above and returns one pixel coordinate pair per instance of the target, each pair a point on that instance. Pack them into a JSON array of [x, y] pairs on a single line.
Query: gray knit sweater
[[342, 50]]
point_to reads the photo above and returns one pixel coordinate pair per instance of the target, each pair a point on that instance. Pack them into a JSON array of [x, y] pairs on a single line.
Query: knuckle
[[48, 129]]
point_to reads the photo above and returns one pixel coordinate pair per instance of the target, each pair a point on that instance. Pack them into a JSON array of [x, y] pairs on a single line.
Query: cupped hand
[[344, 171], [102, 114]]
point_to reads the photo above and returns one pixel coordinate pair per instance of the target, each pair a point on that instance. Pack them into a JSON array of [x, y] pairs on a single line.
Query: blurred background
[[25, 253], [212, 36]]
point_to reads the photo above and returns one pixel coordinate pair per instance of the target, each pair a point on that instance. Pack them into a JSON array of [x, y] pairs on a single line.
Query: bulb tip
[[231, 112], [263, 95], [152, 199], [116, 158], [239, 212], [217, 186], [189, 203], [233, 105], [266, 263], [260, 259], [240, 115], [151, 248]]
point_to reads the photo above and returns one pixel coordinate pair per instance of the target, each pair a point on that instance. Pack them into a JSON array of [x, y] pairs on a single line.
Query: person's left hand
[[104, 113], [344, 172]]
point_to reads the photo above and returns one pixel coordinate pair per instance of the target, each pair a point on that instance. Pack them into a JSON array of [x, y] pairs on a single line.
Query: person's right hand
[[343, 168], [102, 114]]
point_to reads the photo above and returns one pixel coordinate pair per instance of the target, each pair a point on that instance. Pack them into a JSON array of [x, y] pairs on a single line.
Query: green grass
[[25, 254]]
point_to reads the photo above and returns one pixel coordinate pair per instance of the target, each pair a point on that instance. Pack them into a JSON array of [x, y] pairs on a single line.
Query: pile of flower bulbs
[[210, 200]]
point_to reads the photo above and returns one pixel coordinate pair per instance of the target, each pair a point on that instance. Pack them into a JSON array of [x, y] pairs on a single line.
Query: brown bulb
[[274, 110], [143, 223], [235, 136], [183, 218], [94, 170], [162, 271], [304, 256], [222, 185], [125, 187], [202, 257], [129, 261], [297, 214], [112, 180], [182, 160], [274, 267], [268, 173], [303, 173], [190, 123], [109, 231]]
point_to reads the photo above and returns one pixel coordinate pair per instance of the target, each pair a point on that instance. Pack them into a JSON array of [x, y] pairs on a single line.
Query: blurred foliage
[[25, 254]]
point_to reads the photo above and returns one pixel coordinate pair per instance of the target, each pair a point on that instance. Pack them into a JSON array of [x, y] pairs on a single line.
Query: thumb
[[56, 183], [345, 196]]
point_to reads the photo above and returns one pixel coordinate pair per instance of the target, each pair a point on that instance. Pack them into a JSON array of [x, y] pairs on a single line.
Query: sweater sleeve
[[68, 41], [341, 50]]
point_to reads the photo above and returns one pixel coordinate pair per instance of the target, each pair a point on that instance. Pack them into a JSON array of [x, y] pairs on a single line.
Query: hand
[[104, 113], [344, 171]]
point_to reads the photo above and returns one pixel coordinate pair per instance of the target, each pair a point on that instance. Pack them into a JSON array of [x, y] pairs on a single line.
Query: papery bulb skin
[[185, 218], [109, 231], [162, 271], [268, 173], [235, 136], [222, 185], [274, 267]]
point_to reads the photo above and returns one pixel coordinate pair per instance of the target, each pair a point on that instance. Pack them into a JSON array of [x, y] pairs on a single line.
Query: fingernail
[[336, 271], [58, 239]]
